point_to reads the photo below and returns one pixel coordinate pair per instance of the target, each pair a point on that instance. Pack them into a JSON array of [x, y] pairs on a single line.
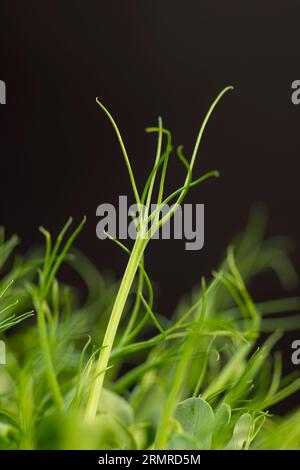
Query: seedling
[[113, 373], [143, 231]]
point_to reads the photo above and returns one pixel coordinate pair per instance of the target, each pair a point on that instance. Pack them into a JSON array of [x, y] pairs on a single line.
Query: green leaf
[[183, 441], [241, 432], [221, 434], [69, 431], [116, 406], [197, 420]]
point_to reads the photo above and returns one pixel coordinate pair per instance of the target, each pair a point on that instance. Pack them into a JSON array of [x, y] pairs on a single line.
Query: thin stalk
[[194, 155], [44, 343], [163, 432], [157, 158], [102, 364], [124, 152], [52, 262]]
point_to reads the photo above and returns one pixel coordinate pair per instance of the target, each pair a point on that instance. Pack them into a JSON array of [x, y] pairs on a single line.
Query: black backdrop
[[59, 156]]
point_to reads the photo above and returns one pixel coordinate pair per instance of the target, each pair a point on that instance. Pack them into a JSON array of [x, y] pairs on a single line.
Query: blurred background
[[60, 157]]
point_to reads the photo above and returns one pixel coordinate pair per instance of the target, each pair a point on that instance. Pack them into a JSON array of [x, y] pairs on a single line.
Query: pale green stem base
[[116, 314]]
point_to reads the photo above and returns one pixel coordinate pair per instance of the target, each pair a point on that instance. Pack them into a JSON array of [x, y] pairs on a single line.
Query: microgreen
[[111, 372], [144, 234]]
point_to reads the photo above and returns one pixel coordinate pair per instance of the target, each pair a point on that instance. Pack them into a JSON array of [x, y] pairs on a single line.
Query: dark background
[[60, 157]]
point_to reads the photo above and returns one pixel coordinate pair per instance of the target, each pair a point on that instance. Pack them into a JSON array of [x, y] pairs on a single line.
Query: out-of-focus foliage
[[205, 379]]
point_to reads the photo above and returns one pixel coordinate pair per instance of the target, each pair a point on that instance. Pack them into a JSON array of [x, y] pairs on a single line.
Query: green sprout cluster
[[111, 372]]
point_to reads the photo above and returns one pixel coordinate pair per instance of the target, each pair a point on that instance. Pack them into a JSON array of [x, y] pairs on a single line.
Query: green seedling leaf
[[183, 441], [241, 432], [116, 406], [221, 433], [70, 432], [197, 420]]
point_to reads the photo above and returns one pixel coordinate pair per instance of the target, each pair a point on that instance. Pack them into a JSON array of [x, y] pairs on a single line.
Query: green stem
[[163, 432], [52, 380], [111, 330], [135, 310]]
